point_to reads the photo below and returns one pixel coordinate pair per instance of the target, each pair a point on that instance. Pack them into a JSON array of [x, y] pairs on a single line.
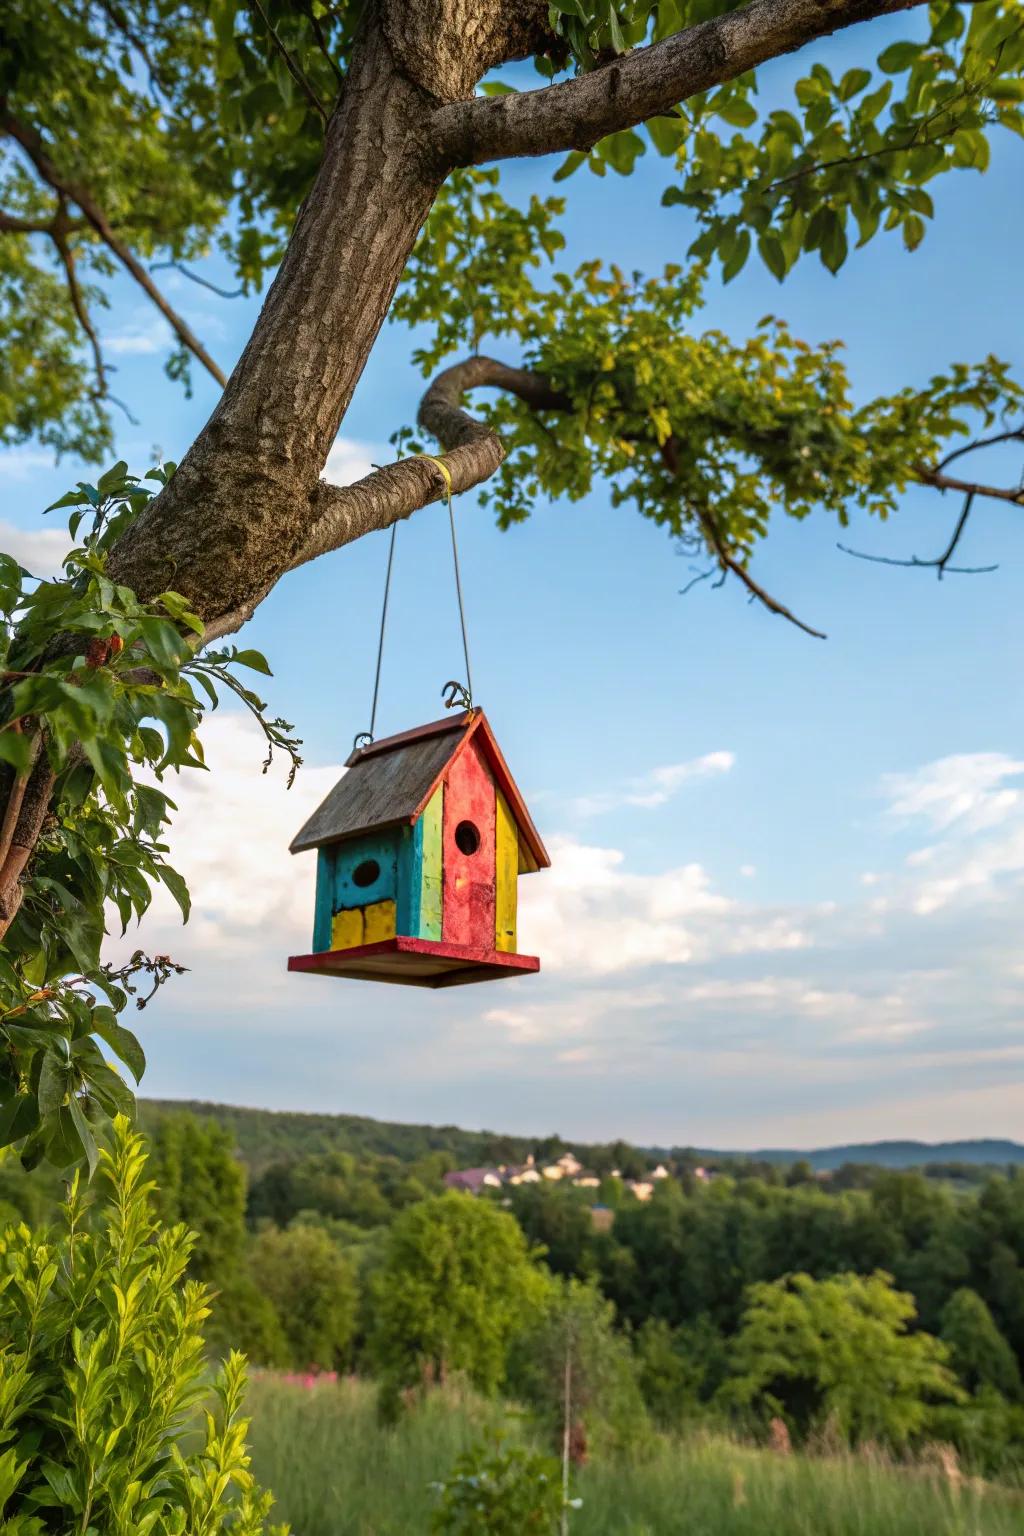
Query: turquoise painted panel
[[324, 910], [410, 867], [356, 854]]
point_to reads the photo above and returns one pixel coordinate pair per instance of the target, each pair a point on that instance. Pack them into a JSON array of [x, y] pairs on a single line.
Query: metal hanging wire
[[455, 694]]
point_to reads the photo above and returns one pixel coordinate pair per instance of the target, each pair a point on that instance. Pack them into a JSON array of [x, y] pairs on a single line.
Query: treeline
[[876, 1304]]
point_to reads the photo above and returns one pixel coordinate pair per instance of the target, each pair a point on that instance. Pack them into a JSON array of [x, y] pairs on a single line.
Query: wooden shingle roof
[[390, 783]]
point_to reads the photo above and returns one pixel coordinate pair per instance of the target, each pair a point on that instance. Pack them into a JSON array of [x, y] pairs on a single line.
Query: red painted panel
[[468, 916]]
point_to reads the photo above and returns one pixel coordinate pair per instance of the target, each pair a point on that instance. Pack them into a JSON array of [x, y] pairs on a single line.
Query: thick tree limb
[[472, 453], [34, 147], [648, 82]]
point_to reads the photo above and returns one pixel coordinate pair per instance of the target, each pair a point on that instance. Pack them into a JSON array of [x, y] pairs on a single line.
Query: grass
[[336, 1472]]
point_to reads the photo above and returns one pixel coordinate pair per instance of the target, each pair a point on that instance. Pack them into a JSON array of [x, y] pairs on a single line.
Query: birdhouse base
[[415, 963]]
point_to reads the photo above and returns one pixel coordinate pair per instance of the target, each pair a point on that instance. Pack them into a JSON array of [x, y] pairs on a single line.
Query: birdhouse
[[419, 850]]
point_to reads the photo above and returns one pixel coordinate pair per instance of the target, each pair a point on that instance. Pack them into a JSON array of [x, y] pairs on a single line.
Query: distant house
[[472, 1180], [587, 1181], [566, 1167], [602, 1217], [641, 1188], [529, 1173], [661, 1172]]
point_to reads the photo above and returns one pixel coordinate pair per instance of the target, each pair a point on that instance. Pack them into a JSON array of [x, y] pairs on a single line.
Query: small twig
[[916, 564], [941, 562], [291, 64], [193, 277], [321, 42], [116, 400], [58, 234], [1016, 435], [728, 561]]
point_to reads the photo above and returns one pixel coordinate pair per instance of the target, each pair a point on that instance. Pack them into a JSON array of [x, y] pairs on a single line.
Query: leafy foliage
[[501, 1491], [100, 692], [839, 1352], [456, 1282], [311, 1285], [102, 1376]]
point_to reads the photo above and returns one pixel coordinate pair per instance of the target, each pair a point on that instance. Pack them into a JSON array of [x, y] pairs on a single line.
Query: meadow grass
[[337, 1472]]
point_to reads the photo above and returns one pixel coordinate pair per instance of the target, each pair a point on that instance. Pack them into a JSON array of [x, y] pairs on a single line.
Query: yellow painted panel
[[506, 870], [380, 922], [347, 929]]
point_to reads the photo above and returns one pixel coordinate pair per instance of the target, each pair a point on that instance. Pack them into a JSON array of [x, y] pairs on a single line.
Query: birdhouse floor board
[[415, 963]]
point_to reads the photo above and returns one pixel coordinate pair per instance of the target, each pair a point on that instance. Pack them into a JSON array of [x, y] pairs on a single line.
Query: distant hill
[[265, 1136], [900, 1154]]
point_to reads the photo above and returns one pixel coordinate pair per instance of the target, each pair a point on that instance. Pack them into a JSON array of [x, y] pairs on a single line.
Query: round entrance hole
[[366, 873], [467, 838]]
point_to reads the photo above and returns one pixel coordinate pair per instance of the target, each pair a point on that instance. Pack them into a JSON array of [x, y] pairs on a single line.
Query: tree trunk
[[238, 508]]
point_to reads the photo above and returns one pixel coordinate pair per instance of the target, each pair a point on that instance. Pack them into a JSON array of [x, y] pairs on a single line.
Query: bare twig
[[321, 42], [58, 234], [194, 277], [940, 563], [291, 64], [1016, 434]]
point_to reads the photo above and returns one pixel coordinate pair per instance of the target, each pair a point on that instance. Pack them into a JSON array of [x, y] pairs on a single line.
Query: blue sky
[[786, 900]]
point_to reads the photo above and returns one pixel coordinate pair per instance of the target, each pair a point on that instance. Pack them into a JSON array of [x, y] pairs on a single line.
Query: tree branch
[[32, 143], [472, 453], [648, 82], [943, 482], [58, 234], [297, 74]]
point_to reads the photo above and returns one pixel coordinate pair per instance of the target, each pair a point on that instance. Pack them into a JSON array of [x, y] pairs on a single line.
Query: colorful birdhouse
[[419, 850]]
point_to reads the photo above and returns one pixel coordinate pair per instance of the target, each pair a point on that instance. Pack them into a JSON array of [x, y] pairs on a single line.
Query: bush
[[493, 1491], [102, 1376]]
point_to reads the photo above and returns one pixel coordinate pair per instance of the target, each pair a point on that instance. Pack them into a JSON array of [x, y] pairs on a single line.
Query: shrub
[[494, 1491], [102, 1376]]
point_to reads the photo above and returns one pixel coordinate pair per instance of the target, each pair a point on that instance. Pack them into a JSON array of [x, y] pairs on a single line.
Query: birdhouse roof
[[390, 782]]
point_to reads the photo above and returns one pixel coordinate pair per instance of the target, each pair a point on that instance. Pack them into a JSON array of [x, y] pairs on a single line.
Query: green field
[[337, 1473]]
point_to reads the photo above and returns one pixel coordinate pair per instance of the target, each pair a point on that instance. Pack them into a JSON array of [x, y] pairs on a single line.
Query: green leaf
[[119, 1039], [254, 660], [175, 883], [85, 1134], [53, 1085], [737, 258], [18, 1117], [833, 244], [852, 82], [738, 112], [774, 257], [899, 56]]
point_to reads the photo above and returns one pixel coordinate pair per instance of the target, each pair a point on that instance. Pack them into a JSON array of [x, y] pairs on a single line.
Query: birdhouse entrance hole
[[467, 838]]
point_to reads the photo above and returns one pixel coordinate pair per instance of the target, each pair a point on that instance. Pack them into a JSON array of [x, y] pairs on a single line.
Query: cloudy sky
[[785, 905]]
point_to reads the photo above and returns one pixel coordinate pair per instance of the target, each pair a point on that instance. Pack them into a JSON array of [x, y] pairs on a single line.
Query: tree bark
[[240, 505]]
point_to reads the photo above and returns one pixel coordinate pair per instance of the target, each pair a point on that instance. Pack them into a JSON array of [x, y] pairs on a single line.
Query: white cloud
[[144, 335], [351, 460], [966, 791], [590, 916], [39, 550], [252, 899], [23, 463], [655, 787]]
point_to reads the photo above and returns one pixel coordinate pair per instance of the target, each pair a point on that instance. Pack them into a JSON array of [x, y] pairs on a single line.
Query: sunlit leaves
[[853, 155]]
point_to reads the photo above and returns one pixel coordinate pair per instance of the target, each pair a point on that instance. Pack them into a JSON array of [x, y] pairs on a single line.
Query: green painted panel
[[432, 887]]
